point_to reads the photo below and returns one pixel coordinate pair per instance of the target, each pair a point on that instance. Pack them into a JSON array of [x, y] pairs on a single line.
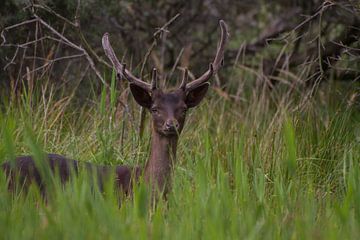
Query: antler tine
[[216, 64], [154, 80], [185, 79], [120, 68]]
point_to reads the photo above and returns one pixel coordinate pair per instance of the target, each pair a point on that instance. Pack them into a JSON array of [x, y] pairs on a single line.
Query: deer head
[[168, 109]]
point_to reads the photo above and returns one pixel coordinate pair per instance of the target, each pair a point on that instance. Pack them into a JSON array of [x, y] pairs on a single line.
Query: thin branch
[[324, 7], [14, 26], [146, 58], [163, 28], [77, 13], [68, 42], [176, 63], [49, 10], [49, 62], [76, 25], [12, 60]]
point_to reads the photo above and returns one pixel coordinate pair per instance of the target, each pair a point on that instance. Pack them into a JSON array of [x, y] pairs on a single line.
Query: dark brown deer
[[168, 111]]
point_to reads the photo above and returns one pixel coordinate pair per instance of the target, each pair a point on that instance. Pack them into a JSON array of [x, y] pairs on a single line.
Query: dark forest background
[[280, 43]]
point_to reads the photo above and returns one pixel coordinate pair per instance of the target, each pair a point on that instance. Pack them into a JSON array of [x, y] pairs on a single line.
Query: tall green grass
[[265, 167]]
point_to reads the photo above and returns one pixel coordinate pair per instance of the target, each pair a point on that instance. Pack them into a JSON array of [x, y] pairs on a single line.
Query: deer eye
[[154, 110]]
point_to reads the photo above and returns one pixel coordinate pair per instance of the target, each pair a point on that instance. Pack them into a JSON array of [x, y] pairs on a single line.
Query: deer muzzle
[[171, 126]]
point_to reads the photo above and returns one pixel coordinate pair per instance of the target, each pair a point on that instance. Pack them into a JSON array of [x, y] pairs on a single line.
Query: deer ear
[[141, 96], [194, 96]]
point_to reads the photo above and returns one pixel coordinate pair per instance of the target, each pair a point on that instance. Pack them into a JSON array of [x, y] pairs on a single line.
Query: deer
[[168, 112]]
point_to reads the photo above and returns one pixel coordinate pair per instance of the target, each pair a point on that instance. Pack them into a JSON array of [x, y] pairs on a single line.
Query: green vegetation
[[272, 153], [261, 168]]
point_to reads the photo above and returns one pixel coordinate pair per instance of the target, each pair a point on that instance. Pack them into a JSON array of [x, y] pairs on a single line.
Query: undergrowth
[[262, 167]]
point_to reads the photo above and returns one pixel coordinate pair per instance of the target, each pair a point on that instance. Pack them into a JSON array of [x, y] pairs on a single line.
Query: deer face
[[168, 109], [168, 112]]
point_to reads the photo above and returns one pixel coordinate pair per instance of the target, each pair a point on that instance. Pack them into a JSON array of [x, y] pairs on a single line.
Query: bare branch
[[49, 10], [13, 59], [14, 26], [163, 28], [68, 42]]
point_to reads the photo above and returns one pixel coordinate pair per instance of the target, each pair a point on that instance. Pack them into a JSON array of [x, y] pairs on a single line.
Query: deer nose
[[171, 125]]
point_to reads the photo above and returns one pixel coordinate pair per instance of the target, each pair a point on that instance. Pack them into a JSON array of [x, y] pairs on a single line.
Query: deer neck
[[162, 157]]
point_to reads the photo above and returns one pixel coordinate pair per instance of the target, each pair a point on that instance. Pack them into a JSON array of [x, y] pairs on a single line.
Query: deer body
[[168, 111], [26, 172]]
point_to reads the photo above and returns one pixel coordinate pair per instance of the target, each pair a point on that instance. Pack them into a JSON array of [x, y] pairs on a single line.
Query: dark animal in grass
[[24, 171], [168, 111]]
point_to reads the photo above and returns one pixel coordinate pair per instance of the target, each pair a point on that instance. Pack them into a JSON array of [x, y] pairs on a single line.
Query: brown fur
[[25, 172]]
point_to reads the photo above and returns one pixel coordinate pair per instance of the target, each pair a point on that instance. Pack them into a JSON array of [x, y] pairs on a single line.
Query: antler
[[213, 67], [121, 68], [216, 64]]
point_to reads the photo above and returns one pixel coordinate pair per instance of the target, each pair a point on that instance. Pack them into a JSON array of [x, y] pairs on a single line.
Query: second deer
[[168, 112]]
